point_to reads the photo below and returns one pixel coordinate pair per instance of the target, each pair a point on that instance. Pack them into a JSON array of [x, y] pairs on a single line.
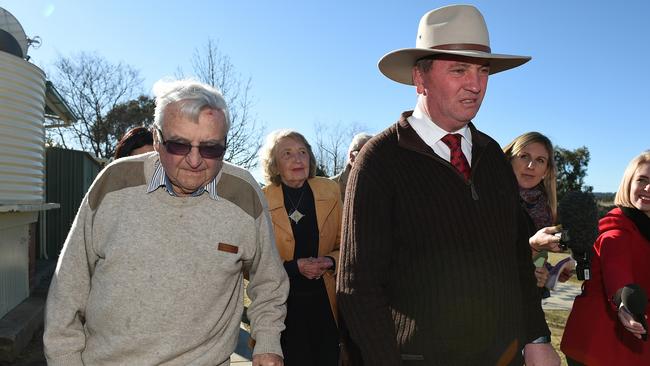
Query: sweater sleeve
[[268, 290], [64, 338], [531, 301], [364, 267]]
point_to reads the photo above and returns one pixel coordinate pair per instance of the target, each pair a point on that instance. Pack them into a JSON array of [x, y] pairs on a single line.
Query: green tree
[[133, 113], [571, 170]]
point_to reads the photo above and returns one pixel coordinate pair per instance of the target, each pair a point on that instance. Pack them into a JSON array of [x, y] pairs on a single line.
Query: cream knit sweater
[[152, 279]]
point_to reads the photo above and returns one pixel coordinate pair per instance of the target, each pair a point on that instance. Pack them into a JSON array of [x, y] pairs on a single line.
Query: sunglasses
[[179, 148]]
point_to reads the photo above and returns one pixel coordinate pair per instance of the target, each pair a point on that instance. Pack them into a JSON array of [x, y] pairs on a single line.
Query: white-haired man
[[152, 270], [357, 143], [435, 264]]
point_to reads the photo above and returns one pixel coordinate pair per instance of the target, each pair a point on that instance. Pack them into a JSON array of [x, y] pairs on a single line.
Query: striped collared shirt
[[160, 179]]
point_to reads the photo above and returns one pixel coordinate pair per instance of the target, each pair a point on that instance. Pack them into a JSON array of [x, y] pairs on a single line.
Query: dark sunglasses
[[178, 148]]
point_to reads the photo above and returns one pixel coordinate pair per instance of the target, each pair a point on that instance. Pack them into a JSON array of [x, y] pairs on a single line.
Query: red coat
[[593, 334]]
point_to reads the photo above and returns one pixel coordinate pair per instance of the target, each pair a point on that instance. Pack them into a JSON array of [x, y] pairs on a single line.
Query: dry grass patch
[[556, 320]]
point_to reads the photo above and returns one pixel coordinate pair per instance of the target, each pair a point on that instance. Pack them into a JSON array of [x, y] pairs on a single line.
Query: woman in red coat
[[599, 331]]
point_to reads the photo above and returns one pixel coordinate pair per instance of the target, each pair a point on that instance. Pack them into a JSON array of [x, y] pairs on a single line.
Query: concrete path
[[562, 297], [243, 354]]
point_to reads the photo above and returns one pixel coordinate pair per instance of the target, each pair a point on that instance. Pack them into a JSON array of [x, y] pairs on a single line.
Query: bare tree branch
[[92, 86], [213, 67], [331, 146]]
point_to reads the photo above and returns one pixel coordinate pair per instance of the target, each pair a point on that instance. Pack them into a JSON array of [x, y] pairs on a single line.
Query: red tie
[[458, 159]]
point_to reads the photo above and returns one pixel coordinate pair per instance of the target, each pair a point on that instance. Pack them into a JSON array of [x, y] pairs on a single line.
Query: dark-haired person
[[435, 265], [136, 141], [152, 270], [306, 215], [600, 332]]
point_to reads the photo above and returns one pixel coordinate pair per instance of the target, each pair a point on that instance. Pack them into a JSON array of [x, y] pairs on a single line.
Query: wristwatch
[[542, 339]]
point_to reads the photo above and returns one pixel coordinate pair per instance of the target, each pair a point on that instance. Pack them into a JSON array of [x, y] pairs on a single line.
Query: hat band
[[462, 47]]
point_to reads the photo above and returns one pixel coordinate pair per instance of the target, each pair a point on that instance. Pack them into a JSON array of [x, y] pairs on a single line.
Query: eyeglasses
[[215, 151]]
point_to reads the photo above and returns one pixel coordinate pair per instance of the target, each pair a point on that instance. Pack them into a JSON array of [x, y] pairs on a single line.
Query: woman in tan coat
[[306, 214]]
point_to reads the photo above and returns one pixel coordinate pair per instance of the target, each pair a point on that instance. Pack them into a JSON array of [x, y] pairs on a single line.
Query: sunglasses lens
[[212, 152], [177, 148], [207, 151]]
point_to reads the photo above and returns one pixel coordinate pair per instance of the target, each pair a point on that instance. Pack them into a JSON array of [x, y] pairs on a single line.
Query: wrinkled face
[[292, 160], [453, 89], [353, 156], [142, 150], [640, 189], [190, 172], [530, 165]]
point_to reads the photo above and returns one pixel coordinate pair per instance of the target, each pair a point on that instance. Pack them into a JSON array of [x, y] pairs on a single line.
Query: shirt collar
[[428, 130], [159, 179]]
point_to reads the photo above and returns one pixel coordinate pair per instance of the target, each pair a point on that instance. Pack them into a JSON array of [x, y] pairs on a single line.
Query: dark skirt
[[311, 337]]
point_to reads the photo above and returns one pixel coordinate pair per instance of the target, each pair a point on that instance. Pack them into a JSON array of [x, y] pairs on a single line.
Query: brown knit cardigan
[[436, 270]]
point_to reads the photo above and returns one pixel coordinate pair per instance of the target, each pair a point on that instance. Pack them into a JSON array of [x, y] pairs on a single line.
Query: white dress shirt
[[432, 134]]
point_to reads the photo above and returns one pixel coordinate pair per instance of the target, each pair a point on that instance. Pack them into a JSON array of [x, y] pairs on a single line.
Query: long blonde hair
[[549, 183]]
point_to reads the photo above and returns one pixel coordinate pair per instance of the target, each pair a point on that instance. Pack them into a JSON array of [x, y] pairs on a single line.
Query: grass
[[556, 320]]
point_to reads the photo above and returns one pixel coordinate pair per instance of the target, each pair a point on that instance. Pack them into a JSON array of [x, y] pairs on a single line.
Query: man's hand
[[629, 323], [545, 239], [267, 359], [541, 354]]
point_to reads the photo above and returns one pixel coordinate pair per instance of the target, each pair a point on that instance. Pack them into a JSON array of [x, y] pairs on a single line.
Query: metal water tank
[[22, 135]]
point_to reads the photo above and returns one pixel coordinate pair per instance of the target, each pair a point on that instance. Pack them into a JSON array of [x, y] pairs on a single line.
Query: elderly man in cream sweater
[[152, 270]]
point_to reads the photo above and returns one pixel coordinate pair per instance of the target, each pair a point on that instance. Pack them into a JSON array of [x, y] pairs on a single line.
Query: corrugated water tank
[[22, 135]]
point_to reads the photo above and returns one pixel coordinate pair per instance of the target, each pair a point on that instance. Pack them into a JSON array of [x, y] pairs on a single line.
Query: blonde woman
[[531, 156], [600, 331], [306, 215]]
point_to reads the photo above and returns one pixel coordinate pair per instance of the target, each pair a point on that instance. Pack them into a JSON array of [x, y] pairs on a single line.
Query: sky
[[313, 61]]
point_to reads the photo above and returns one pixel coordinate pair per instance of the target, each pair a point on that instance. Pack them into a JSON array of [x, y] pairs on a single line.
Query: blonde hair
[[549, 183], [622, 197], [267, 155]]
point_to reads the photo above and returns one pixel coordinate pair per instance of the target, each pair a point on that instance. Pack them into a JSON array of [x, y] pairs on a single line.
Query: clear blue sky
[[315, 61]]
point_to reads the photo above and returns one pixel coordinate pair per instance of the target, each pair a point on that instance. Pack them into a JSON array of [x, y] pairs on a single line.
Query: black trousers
[[311, 337]]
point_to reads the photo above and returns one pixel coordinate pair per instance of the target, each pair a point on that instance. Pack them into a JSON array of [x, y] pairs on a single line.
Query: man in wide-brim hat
[[435, 264]]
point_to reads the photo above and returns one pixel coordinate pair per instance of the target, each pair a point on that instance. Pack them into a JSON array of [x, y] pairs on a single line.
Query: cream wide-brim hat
[[453, 30]]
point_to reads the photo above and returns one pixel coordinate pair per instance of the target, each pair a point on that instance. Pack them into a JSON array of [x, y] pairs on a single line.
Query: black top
[[640, 219], [305, 234]]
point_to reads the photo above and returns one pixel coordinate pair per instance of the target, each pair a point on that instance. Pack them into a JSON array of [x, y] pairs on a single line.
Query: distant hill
[[604, 196], [605, 201]]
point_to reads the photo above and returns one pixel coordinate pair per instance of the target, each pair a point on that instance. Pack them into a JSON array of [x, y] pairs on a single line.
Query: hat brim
[[398, 65]]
